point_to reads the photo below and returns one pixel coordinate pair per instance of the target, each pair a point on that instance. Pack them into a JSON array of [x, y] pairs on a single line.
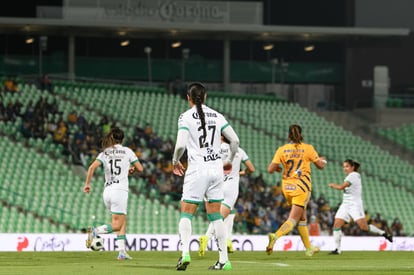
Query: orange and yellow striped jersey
[[296, 160]]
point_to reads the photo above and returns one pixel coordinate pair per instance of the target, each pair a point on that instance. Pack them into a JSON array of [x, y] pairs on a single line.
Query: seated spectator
[[72, 118], [314, 228], [60, 134], [3, 116], [82, 122], [10, 111], [397, 227]]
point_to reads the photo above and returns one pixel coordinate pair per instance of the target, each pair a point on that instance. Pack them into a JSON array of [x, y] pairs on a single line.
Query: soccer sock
[[372, 228], [304, 233], [228, 222], [104, 229], [216, 219], [286, 227], [210, 231], [184, 229], [120, 242], [337, 234]]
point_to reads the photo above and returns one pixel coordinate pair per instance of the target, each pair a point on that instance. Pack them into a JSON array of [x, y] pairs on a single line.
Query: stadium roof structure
[[90, 28]]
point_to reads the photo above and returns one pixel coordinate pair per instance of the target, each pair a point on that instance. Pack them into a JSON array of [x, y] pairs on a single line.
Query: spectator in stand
[[72, 118], [60, 134], [314, 227], [3, 116], [82, 122], [321, 201], [397, 227], [10, 112]]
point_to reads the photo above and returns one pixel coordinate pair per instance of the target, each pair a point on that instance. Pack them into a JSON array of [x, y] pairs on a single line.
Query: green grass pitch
[[154, 263]]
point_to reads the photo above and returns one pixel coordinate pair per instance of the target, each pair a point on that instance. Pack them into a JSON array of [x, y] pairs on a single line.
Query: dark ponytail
[[115, 136], [197, 93], [295, 133], [355, 164]]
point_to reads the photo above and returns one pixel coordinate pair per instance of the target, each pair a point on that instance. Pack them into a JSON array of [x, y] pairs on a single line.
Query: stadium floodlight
[[124, 43], [309, 48], [268, 46], [29, 40], [176, 44]]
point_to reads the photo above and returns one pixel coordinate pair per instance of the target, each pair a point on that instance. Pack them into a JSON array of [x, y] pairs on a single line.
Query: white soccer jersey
[[231, 181], [116, 161], [353, 193], [240, 157], [203, 150]]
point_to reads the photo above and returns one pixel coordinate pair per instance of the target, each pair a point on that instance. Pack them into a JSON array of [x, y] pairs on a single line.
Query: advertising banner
[[137, 242]]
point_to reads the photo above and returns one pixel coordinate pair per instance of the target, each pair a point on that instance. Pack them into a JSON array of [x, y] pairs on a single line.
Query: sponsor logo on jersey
[[290, 187], [211, 157]]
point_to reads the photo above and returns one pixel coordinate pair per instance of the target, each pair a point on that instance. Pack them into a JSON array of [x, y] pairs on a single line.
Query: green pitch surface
[[153, 263]]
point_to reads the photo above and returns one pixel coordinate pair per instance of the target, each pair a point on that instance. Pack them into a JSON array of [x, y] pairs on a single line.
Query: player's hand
[[131, 170], [179, 169], [87, 188], [227, 167]]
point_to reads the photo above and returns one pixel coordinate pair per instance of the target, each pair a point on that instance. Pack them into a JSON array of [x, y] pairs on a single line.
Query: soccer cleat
[[123, 256], [203, 246], [220, 266], [388, 236], [229, 246], [312, 250], [272, 240], [183, 262], [335, 252], [91, 235]]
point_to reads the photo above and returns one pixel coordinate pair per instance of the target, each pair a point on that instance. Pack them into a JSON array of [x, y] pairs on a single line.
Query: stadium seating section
[[402, 135], [40, 193]]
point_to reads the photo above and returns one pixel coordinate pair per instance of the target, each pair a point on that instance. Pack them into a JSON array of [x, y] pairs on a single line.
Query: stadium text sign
[[137, 242]]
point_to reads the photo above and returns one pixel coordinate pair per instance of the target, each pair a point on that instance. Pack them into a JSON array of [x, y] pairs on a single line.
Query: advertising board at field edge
[[136, 242]]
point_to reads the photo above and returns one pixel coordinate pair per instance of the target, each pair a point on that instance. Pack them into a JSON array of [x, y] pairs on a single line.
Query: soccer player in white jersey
[[352, 206], [231, 193], [116, 160], [199, 131]]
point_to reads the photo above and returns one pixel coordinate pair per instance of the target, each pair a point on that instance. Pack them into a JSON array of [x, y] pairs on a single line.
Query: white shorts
[[203, 182], [116, 200], [348, 211], [230, 190]]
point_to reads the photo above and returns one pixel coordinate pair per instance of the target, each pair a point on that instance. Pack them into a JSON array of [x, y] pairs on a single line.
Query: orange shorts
[[294, 194]]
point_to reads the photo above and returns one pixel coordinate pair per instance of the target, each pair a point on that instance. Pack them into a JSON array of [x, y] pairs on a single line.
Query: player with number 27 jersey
[[199, 149]]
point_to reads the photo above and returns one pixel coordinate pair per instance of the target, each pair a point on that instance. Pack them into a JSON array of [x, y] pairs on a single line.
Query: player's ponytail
[[295, 133], [115, 136], [197, 93]]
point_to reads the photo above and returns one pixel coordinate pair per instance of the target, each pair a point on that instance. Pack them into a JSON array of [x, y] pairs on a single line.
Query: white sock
[[372, 228], [337, 234], [184, 229], [228, 222], [220, 232], [120, 244], [210, 231]]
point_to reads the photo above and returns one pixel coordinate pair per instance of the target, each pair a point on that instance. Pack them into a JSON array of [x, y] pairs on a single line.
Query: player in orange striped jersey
[[294, 159]]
